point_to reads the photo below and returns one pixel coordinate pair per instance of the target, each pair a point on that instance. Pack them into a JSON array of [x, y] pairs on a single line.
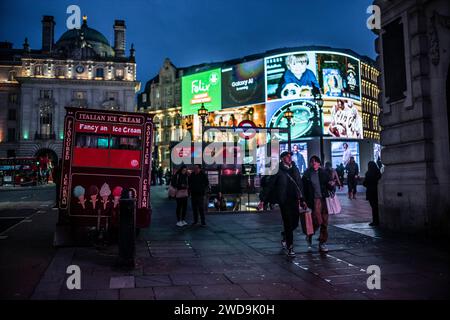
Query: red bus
[[104, 152], [19, 171]]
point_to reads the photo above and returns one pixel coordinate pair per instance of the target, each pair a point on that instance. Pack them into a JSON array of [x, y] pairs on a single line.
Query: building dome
[[94, 43]]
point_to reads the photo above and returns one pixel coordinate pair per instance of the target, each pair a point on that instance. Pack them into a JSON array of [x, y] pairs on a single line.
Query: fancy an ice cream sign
[[204, 87]]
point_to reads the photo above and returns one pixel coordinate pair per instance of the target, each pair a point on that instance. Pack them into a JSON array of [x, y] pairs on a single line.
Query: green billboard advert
[[204, 87]]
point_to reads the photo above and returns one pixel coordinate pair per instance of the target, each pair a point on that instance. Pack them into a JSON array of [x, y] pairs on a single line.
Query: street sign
[[244, 132]]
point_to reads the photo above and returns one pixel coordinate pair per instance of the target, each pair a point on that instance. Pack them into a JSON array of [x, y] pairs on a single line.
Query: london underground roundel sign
[[244, 132]]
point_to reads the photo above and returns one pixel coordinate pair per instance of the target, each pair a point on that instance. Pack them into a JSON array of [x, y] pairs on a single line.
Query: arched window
[[38, 70], [45, 119], [99, 73]]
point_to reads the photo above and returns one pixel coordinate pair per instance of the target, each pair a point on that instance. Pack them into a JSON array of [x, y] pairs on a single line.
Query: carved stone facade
[[414, 55]]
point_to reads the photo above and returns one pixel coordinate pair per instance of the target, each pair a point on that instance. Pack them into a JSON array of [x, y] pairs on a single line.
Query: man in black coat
[[316, 182], [286, 189], [198, 185]]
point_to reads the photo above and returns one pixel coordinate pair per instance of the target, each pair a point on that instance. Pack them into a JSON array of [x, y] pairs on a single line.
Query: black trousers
[[181, 208], [352, 184], [198, 207], [290, 215], [374, 204]]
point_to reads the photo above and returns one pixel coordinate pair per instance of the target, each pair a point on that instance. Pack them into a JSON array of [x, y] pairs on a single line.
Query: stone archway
[[47, 153]]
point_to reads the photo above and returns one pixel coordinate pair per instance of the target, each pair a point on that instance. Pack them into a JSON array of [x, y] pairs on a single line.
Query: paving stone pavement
[[238, 257]]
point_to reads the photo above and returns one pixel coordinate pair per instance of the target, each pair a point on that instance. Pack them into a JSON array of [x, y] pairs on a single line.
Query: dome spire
[[26, 46], [84, 20]]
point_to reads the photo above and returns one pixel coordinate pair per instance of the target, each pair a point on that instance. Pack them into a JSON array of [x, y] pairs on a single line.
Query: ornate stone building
[[413, 49], [80, 69]]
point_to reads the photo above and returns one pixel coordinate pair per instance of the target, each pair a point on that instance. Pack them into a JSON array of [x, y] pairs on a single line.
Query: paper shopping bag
[[307, 222]]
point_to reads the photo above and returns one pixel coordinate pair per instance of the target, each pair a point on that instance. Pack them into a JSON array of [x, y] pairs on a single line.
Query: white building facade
[[79, 70]]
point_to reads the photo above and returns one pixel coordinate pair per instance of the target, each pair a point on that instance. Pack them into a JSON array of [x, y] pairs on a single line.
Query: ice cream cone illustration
[[93, 192], [79, 192], [117, 192], [105, 192]]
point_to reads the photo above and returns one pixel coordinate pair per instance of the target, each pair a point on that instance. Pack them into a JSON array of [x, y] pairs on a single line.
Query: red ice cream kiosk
[[104, 152]]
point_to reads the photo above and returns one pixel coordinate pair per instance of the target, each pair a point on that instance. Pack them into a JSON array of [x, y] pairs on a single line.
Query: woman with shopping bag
[[333, 203]]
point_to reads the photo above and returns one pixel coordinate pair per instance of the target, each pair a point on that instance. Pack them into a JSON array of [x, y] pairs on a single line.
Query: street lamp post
[[319, 102], [288, 114], [202, 113]]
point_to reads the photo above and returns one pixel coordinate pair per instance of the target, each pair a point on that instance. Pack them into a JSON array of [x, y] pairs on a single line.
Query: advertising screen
[[291, 76], [377, 153], [203, 87], [243, 84], [338, 75], [300, 154], [342, 151], [305, 122], [342, 118]]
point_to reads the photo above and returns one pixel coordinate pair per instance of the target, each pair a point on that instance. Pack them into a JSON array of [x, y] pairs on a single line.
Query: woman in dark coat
[[371, 183]]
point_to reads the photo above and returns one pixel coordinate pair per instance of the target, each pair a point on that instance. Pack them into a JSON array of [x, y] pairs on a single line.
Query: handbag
[[172, 192], [306, 222], [333, 204], [182, 193]]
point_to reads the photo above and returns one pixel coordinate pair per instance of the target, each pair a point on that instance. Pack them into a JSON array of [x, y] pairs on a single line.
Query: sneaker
[[323, 248], [373, 224], [195, 223], [283, 244], [203, 224], [184, 223], [179, 224], [291, 252]]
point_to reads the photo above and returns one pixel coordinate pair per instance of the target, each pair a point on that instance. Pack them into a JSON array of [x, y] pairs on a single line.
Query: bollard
[[127, 227]]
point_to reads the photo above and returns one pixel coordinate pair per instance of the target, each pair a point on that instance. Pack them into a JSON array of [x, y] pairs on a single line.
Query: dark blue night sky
[[196, 31]]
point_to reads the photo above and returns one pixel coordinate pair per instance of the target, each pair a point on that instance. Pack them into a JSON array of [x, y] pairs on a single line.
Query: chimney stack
[[119, 38], [48, 33]]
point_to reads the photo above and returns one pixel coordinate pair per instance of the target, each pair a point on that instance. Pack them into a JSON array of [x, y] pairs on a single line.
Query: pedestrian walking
[[352, 170], [340, 170], [335, 182], [180, 183], [316, 189], [373, 175], [160, 175], [333, 203], [286, 189], [198, 187]]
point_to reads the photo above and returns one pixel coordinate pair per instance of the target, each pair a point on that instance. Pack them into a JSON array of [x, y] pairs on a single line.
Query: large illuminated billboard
[[341, 152], [342, 118], [291, 76], [299, 154], [204, 87], [290, 80], [338, 75], [243, 84], [305, 121]]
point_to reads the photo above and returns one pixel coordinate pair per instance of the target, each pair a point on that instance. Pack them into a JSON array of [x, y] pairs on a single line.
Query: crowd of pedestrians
[[310, 198]]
